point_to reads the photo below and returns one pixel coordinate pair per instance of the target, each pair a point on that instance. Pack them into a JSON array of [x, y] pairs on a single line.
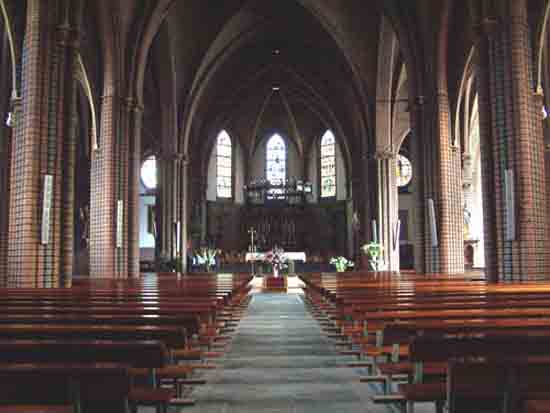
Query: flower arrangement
[[341, 263], [207, 257], [277, 259], [374, 251]]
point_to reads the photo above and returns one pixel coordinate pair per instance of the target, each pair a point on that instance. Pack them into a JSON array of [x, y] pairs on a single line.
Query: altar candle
[[374, 232]]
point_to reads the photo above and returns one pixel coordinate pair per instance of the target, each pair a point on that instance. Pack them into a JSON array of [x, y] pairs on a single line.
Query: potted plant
[[341, 263], [373, 251], [276, 257], [207, 257]]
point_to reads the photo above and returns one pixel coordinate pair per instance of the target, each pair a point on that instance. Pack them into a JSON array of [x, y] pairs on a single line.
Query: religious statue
[[84, 216], [467, 222]]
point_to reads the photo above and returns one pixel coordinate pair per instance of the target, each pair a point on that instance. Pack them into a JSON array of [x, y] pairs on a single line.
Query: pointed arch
[[11, 41], [83, 79]]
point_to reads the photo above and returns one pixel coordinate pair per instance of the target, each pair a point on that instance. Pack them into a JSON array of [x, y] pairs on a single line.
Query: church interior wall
[[211, 178], [277, 84]]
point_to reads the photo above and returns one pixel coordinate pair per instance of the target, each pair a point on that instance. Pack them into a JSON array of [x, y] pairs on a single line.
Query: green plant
[[341, 263], [374, 251], [207, 257]]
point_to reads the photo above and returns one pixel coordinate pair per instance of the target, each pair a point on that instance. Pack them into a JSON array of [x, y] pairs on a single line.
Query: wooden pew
[[150, 355], [168, 309], [432, 309], [506, 367], [64, 387]]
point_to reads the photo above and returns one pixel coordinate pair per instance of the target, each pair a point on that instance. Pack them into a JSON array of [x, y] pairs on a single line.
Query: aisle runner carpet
[[280, 362]]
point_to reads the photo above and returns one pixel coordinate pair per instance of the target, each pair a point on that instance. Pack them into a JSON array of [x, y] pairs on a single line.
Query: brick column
[[133, 190], [425, 256], [167, 192], [511, 139], [40, 147], [122, 171], [184, 208], [449, 202], [103, 199], [67, 70]]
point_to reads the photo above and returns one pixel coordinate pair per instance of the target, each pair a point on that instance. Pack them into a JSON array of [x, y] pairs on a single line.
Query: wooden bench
[[177, 311], [63, 387], [396, 310]]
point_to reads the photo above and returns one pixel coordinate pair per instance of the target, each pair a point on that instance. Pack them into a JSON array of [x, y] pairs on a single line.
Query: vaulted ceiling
[[295, 66]]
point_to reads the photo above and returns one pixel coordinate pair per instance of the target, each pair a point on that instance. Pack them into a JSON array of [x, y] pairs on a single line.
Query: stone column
[[166, 204], [511, 143], [184, 205], [134, 162], [204, 209], [388, 209]]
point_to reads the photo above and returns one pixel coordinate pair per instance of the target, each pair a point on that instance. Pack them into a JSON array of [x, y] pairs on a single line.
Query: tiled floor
[[280, 362]]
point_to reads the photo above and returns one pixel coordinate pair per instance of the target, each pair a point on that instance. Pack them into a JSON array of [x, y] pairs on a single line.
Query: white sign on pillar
[[509, 205], [47, 193], [396, 234], [178, 237], [433, 224], [119, 223]]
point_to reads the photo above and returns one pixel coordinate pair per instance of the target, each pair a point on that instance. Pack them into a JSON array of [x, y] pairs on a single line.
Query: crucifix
[[252, 233]]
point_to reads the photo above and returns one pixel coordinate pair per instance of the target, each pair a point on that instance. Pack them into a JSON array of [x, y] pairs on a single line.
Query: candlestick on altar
[[252, 232]]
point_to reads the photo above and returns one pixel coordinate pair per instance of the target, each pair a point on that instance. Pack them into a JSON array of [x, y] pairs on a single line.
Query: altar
[[290, 257], [287, 256]]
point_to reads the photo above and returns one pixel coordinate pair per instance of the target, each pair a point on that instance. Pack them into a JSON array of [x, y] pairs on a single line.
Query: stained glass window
[[328, 165], [149, 173], [276, 164], [404, 171], [224, 166]]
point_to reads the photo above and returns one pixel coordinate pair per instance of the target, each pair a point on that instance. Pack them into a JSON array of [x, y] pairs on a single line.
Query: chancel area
[[223, 206]]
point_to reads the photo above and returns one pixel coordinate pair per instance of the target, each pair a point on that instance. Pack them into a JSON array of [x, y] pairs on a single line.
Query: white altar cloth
[[289, 256]]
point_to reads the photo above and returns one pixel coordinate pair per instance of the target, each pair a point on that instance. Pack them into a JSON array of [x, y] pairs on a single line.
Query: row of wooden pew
[[459, 342], [113, 345]]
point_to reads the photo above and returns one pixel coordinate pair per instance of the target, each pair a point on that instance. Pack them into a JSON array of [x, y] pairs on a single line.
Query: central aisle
[[279, 361]]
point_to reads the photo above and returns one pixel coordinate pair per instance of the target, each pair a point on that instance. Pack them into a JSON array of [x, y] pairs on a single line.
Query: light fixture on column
[[9, 120]]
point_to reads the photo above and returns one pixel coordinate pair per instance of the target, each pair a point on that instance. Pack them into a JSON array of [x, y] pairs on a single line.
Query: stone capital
[[384, 154]]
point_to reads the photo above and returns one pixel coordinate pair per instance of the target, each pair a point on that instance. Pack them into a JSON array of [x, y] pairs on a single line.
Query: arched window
[[275, 171], [404, 171], [149, 173], [276, 160], [224, 168], [328, 165]]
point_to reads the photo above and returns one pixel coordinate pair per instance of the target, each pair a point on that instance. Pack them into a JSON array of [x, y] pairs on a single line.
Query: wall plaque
[[119, 223], [47, 193]]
